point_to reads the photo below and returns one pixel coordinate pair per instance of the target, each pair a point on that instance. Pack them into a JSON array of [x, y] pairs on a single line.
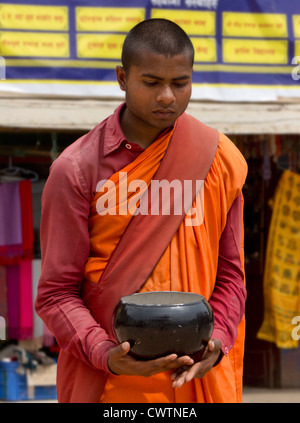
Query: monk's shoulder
[[230, 158], [86, 146]]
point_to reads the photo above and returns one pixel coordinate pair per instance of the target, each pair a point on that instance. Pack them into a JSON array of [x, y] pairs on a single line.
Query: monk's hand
[[121, 363], [198, 369]]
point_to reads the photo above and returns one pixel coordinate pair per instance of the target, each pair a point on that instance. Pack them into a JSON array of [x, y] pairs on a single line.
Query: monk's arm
[[229, 296], [65, 248]]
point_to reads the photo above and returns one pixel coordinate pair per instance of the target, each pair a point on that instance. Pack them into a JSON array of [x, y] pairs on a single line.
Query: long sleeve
[[229, 296], [65, 248]]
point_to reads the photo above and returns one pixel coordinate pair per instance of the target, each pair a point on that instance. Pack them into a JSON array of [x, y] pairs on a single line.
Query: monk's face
[[158, 90]]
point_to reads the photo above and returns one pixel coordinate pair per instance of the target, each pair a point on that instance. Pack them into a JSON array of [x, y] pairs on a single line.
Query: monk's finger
[[178, 372], [173, 362], [195, 371], [160, 364], [164, 364], [198, 370], [179, 380]]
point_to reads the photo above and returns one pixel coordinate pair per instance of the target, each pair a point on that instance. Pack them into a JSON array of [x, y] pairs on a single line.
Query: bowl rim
[[182, 304]]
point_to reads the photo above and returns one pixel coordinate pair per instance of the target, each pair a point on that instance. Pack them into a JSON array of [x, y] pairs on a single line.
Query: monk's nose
[[166, 95]]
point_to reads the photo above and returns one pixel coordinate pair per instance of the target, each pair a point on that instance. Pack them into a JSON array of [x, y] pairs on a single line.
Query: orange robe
[[188, 264]]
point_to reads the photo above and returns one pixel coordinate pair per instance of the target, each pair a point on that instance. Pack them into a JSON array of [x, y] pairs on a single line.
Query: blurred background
[[57, 81]]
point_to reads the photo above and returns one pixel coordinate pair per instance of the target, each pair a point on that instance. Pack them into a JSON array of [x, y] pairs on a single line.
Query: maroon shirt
[[65, 247]]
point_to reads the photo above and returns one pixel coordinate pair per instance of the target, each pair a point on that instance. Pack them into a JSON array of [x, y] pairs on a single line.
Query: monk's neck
[[138, 131]]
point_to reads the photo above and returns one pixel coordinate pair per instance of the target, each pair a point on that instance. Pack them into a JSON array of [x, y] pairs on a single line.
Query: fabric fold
[[25, 189], [26, 305], [13, 300]]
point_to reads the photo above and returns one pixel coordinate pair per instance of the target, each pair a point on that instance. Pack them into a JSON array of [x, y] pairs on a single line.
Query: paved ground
[[264, 395], [252, 395]]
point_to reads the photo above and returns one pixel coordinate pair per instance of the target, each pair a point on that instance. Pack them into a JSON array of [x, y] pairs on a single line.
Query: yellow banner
[[261, 25], [111, 19], [296, 25], [34, 44], [96, 46], [193, 23], [205, 49], [255, 51], [47, 18]]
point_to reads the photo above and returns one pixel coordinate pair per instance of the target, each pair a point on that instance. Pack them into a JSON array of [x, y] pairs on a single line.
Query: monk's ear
[[121, 77]]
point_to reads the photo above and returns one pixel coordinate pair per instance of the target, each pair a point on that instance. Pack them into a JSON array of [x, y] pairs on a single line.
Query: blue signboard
[[244, 50]]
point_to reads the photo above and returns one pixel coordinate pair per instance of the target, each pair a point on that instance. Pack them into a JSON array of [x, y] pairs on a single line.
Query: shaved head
[[159, 36]]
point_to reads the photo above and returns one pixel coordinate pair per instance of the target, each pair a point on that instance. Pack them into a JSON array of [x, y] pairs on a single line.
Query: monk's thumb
[[121, 349]]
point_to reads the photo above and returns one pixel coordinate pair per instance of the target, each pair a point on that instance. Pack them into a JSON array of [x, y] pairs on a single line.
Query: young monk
[[87, 252]]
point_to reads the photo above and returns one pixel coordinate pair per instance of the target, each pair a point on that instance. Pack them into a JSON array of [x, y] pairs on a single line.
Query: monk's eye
[[150, 83], [180, 84]]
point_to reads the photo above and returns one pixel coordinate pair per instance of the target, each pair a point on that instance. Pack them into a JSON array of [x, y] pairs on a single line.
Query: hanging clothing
[[282, 268], [25, 189], [11, 248], [3, 301], [26, 305], [16, 222], [13, 300], [19, 300]]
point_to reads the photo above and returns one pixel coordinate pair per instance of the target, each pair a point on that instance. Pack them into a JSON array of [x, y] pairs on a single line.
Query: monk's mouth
[[164, 114]]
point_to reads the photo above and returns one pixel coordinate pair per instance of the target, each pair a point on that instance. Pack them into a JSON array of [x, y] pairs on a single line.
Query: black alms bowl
[[160, 323]]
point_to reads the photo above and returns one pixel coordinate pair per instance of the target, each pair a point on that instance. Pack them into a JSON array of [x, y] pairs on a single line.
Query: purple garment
[[10, 214]]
